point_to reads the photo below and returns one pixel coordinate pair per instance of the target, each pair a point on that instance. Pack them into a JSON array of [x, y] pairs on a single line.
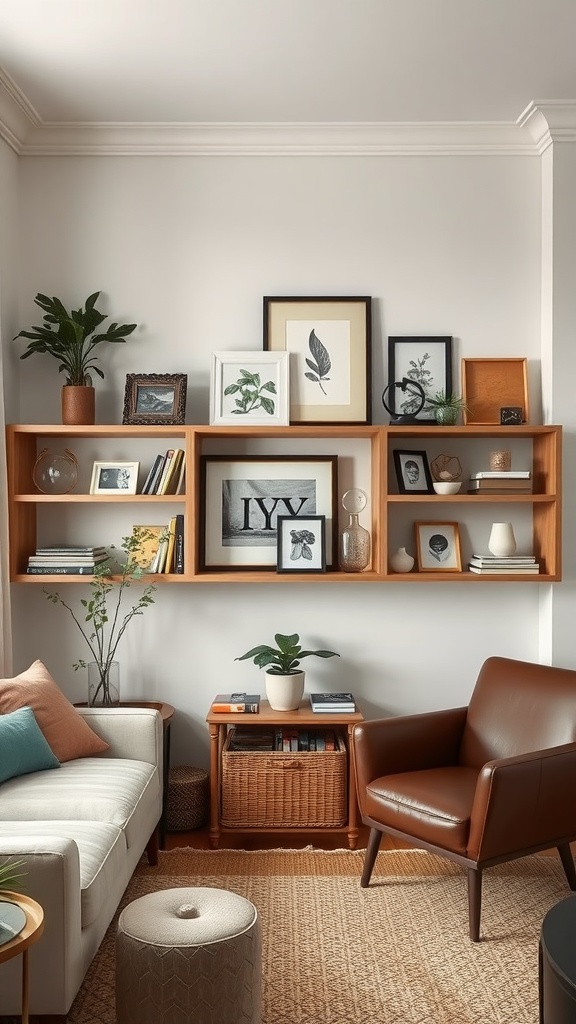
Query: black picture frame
[[407, 357], [301, 544], [330, 373], [243, 496], [155, 398], [412, 472]]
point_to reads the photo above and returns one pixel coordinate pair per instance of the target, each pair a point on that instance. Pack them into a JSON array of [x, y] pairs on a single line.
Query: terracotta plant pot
[[78, 405]]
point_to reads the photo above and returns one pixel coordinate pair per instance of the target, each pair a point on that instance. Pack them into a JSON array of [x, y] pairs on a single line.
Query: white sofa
[[81, 830]]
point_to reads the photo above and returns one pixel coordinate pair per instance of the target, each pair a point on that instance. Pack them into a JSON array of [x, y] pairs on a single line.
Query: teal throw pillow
[[23, 748]]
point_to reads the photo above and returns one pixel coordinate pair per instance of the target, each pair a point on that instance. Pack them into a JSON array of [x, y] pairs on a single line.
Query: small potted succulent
[[284, 677], [446, 407]]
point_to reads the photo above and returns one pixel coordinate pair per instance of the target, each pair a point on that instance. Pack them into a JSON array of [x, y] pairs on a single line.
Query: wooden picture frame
[[155, 398], [301, 544], [438, 547], [425, 360], [113, 478], [329, 341], [243, 497], [489, 385], [249, 387], [412, 472]]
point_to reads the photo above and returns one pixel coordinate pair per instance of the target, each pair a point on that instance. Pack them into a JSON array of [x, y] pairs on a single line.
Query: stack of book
[[167, 473], [497, 565], [161, 549], [251, 739], [236, 703], [66, 560], [500, 482], [332, 702]]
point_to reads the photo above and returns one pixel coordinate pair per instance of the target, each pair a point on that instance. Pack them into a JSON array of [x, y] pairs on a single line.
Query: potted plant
[[284, 678], [106, 626], [70, 338], [10, 876], [446, 408]]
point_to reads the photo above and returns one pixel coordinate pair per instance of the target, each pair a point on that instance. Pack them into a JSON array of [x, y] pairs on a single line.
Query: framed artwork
[[490, 385], [329, 345], [438, 547], [114, 477], [245, 495], [412, 472], [428, 362], [249, 387], [301, 544], [155, 398]]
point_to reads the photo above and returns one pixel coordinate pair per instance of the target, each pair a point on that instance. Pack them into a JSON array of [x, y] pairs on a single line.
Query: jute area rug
[[397, 952]]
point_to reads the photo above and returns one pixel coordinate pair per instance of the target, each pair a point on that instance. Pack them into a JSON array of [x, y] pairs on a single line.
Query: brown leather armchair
[[481, 784]]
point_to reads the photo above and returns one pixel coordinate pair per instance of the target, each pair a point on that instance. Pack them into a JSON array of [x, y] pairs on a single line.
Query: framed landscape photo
[[438, 547], [114, 478], [249, 387], [243, 496], [328, 341], [412, 472], [425, 360], [301, 544], [155, 398]]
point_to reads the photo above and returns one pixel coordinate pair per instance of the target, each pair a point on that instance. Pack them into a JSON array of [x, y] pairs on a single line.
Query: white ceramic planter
[[502, 541], [284, 693]]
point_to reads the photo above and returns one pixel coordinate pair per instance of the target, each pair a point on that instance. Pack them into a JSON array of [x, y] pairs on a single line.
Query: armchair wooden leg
[[370, 858], [474, 902], [568, 864], [152, 849]]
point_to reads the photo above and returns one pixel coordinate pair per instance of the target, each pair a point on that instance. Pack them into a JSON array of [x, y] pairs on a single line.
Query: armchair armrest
[[524, 802], [406, 743], [134, 733]]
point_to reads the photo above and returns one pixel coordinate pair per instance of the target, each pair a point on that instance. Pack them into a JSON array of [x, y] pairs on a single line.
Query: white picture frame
[[249, 387], [114, 478]]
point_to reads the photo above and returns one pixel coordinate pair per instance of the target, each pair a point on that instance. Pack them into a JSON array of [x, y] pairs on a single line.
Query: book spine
[[60, 570], [179, 545], [151, 474], [235, 709]]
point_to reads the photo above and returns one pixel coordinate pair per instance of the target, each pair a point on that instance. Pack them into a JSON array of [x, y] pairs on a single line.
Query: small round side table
[[20, 944]]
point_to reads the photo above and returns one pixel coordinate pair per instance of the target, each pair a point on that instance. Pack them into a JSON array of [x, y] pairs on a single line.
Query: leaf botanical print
[[300, 541], [250, 394], [321, 364]]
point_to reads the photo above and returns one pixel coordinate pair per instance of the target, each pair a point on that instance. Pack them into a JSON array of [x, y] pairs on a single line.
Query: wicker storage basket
[[276, 790], [188, 798]]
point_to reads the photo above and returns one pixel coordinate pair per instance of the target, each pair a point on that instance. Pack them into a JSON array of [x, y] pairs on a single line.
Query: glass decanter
[[354, 539]]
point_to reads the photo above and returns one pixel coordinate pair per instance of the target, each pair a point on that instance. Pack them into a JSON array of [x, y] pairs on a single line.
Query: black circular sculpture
[[417, 398]]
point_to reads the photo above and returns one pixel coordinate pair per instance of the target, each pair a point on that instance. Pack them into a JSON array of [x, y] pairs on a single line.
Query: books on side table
[[497, 565], [66, 560], [236, 703], [332, 702]]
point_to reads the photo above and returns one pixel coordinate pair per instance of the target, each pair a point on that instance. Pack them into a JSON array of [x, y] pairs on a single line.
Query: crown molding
[[538, 126]]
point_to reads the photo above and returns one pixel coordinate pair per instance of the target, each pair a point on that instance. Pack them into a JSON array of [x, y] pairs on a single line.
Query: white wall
[[187, 247]]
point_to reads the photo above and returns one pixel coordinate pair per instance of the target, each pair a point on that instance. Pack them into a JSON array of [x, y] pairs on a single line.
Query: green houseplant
[[446, 408], [284, 677], [11, 876], [71, 337], [103, 622]]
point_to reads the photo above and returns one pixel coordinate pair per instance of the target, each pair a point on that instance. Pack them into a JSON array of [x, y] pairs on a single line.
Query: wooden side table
[[167, 713], [19, 945], [302, 718]]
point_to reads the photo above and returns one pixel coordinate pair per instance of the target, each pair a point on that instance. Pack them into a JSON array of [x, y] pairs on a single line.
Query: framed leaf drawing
[[427, 362], [329, 346], [249, 387]]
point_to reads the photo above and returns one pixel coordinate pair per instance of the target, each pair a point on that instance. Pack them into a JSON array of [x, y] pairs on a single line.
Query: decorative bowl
[[448, 488]]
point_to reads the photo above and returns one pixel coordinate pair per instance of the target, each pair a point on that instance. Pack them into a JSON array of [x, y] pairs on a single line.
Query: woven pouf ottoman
[[189, 955], [188, 798]]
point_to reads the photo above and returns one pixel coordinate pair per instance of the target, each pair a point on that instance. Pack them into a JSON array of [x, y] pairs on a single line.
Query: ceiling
[[286, 61]]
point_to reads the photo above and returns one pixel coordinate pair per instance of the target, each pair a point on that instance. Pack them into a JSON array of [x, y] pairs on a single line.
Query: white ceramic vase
[[284, 693], [401, 561], [502, 541]]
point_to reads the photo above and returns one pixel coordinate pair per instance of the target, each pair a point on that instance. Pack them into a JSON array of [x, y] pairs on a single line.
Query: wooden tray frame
[[491, 384]]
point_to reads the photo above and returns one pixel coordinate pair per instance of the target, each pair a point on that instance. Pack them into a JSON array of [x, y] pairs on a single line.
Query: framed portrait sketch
[[428, 362], [243, 496], [329, 345], [114, 478], [438, 547], [249, 387], [155, 398], [412, 472], [301, 543]]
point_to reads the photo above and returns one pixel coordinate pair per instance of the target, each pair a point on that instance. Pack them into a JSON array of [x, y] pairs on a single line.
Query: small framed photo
[[412, 472], [301, 543], [249, 387], [329, 344], [438, 547], [155, 398], [427, 362], [114, 478]]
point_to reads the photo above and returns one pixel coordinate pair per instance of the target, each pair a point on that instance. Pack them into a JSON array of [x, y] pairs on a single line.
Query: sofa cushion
[[101, 854], [65, 730], [117, 791], [23, 748]]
